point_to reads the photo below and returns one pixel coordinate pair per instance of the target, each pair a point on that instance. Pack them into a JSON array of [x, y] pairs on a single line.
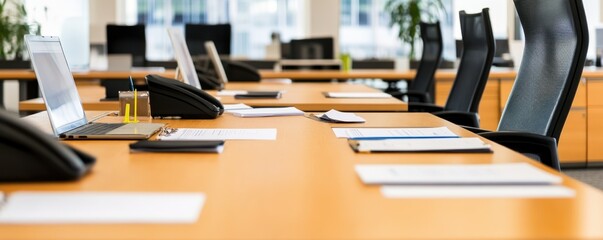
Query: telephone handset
[[30, 155], [172, 98], [208, 80]]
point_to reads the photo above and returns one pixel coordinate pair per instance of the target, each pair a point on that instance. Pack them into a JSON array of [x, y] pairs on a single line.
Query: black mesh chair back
[[197, 34], [556, 42], [430, 58], [123, 39], [476, 60], [312, 48]]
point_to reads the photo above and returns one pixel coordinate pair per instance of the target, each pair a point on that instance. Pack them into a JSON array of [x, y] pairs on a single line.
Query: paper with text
[[101, 207], [357, 95], [477, 191], [385, 133], [501, 173], [422, 145], [267, 112], [221, 134]]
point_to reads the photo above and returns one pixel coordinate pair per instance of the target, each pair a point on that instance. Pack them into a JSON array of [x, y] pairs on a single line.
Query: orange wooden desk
[[303, 186], [20, 74], [305, 96]]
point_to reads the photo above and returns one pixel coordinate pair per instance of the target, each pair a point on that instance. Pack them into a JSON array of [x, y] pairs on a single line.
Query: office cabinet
[[595, 121]]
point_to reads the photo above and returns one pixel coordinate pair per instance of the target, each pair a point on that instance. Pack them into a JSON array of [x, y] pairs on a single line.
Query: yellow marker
[[135, 105], [127, 113]]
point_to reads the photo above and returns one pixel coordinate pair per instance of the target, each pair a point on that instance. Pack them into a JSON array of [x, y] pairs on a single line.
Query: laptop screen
[[210, 47], [184, 59], [56, 83]]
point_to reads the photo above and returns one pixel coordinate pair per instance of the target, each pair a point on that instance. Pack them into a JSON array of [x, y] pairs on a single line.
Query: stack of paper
[[421, 145], [503, 173], [340, 117], [357, 95], [231, 92], [221, 134], [267, 112], [386, 133], [101, 207], [506, 180], [238, 106]]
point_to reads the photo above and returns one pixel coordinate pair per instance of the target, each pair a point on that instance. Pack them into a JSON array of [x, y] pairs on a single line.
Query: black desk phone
[[27, 154], [172, 98]]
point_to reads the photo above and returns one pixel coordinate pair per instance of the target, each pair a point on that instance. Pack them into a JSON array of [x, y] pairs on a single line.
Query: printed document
[[267, 112], [101, 207], [421, 145], [478, 191], [221, 134], [446, 174], [385, 133], [357, 95]]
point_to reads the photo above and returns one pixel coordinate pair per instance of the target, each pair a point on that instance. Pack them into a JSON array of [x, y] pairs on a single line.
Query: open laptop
[[62, 100], [186, 66]]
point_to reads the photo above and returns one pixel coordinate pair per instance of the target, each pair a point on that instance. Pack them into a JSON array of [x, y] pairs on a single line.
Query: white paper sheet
[[358, 95], [385, 133], [238, 106], [221, 134], [101, 207], [342, 117], [538, 191], [231, 92], [267, 112], [423, 145], [502, 173]]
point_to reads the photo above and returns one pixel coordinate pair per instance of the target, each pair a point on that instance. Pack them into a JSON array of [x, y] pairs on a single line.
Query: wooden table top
[[383, 74], [303, 186], [305, 96], [21, 74]]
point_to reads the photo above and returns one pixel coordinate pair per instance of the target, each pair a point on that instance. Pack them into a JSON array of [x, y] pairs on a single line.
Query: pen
[[131, 84]]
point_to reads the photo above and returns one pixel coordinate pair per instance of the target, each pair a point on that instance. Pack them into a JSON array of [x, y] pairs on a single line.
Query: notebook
[[62, 100]]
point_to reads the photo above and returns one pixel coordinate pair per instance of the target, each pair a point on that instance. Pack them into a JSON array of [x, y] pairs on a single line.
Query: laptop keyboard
[[95, 128]]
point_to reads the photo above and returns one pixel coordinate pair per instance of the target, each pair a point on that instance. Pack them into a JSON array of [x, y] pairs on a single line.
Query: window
[[252, 22]]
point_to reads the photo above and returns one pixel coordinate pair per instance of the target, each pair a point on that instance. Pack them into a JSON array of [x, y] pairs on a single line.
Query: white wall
[[102, 12], [323, 20]]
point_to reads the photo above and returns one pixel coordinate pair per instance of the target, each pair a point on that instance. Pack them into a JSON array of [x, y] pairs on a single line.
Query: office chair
[[556, 42], [122, 39], [419, 88], [472, 74], [197, 34], [311, 48]]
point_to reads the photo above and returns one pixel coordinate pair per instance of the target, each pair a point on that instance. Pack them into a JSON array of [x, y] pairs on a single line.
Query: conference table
[[304, 96], [303, 186]]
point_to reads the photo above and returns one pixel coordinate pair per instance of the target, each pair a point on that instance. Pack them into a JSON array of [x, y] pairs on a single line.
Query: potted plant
[[13, 28], [407, 14]]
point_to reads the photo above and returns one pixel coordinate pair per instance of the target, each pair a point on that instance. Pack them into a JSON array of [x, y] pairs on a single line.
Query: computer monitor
[[312, 48], [215, 60], [186, 68]]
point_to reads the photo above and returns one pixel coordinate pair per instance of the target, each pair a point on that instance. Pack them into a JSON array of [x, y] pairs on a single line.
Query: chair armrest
[[424, 107], [413, 96], [465, 119], [530, 144]]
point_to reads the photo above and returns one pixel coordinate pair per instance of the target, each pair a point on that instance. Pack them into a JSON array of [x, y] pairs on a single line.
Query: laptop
[[62, 100], [186, 67]]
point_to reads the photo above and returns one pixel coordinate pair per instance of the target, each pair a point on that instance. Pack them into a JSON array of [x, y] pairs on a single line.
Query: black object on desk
[[259, 94], [177, 146]]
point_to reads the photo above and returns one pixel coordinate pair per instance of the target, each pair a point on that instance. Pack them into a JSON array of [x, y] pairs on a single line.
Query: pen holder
[[141, 104]]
